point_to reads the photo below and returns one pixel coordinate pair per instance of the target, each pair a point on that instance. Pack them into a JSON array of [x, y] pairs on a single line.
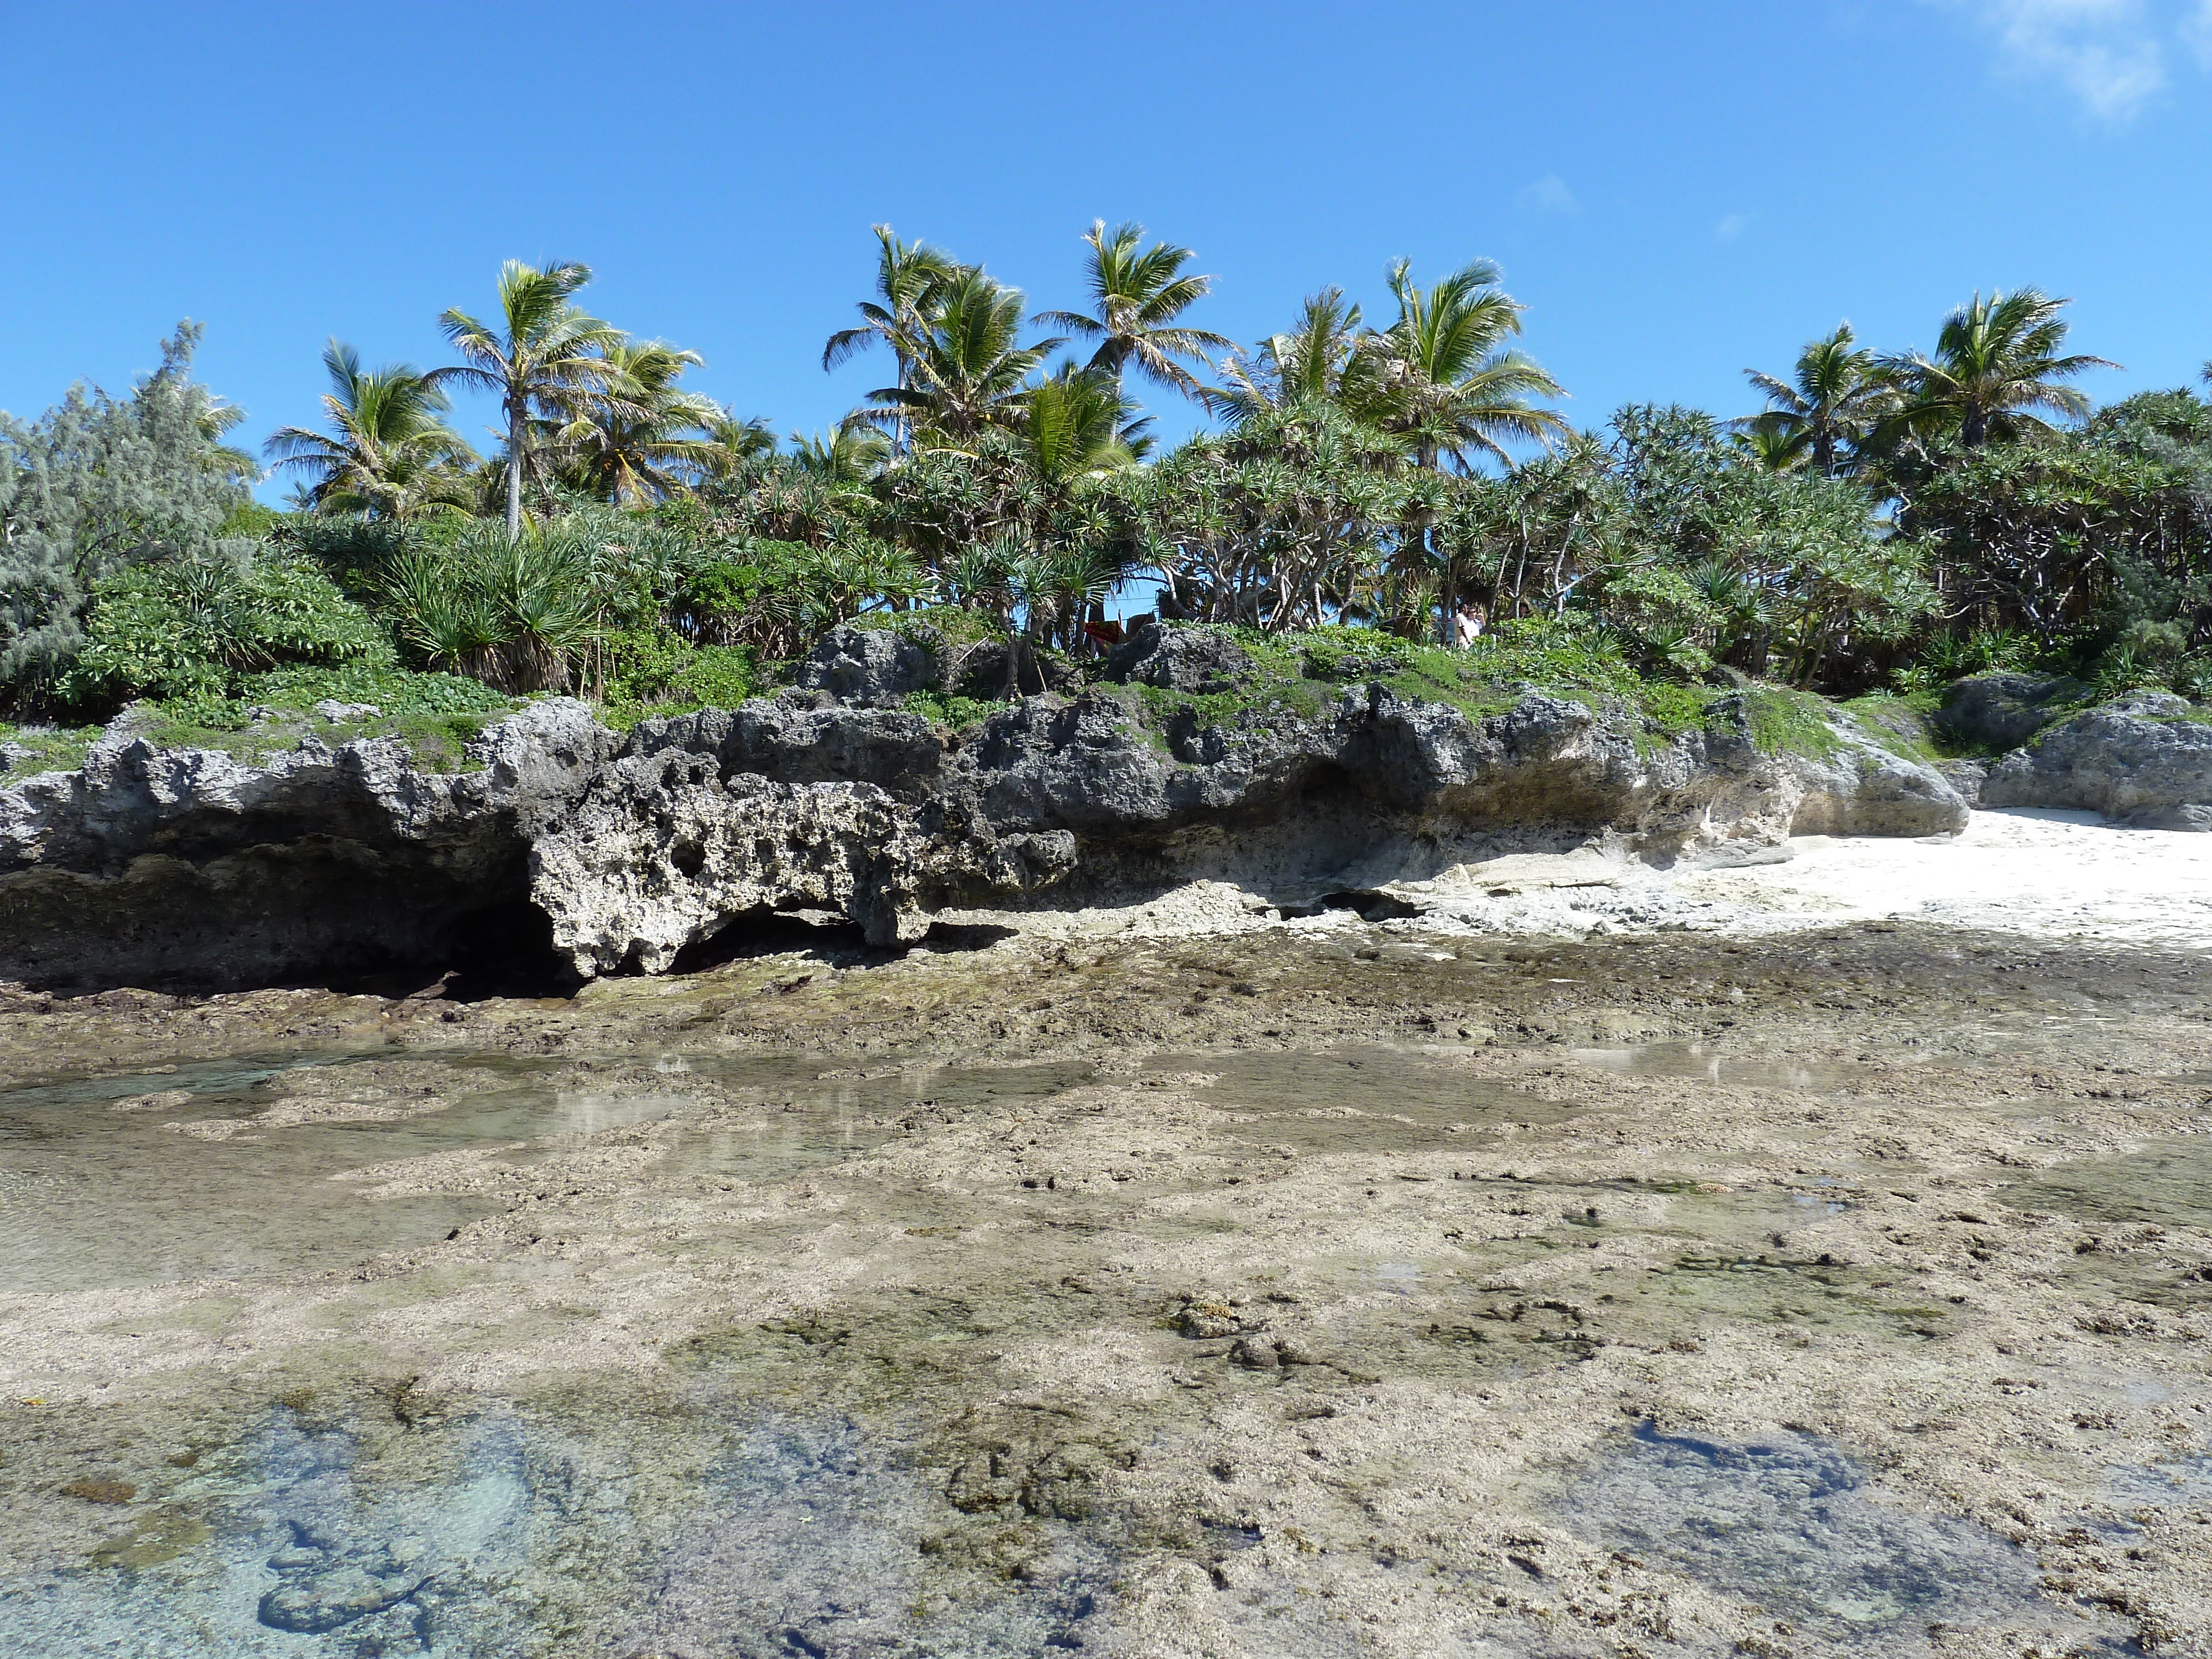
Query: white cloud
[[1731, 226], [1550, 194], [2197, 30], [2109, 54]]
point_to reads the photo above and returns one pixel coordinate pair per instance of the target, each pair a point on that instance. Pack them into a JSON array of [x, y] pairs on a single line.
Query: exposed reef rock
[[2144, 759], [608, 854]]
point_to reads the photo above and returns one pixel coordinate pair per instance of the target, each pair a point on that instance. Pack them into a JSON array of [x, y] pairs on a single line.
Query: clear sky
[[1677, 191]]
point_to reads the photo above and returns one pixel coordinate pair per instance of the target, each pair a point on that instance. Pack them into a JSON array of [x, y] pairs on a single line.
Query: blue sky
[[1676, 191]]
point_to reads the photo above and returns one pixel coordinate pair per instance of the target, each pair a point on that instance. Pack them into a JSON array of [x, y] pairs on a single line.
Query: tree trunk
[[515, 425], [1974, 428]]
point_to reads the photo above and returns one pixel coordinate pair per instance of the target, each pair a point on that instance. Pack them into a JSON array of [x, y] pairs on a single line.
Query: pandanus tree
[[387, 453], [1836, 395], [1138, 293], [542, 356], [1997, 361]]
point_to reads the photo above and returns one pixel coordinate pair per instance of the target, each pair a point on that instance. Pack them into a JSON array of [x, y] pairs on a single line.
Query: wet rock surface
[[1838, 1293]]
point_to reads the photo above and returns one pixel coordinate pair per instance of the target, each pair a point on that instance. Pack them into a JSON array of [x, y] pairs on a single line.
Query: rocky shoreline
[[585, 852]]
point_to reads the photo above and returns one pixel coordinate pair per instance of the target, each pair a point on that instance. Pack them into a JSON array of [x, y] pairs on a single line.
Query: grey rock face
[[2144, 759], [150, 863], [1178, 658], [867, 665], [2002, 711]]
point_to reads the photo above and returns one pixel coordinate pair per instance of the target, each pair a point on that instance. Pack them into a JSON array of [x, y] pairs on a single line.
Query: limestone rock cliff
[[614, 854]]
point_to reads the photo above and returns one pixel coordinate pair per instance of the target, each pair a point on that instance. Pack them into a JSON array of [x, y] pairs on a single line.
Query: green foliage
[[97, 484], [659, 670], [1787, 722], [192, 627], [951, 713], [29, 750]]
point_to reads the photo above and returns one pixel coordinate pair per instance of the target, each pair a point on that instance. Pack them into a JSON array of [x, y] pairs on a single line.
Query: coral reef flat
[[1320, 1285]]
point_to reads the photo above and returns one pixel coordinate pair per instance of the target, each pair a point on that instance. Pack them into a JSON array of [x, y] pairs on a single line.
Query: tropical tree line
[[1885, 517]]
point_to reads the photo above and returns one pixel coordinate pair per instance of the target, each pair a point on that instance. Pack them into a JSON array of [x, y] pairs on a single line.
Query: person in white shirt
[[1467, 624]]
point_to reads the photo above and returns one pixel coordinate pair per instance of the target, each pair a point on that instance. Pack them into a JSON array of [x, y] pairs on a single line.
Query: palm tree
[[733, 445], [543, 357], [908, 278], [1996, 361], [850, 454], [1076, 424], [1443, 376], [1836, 394], [964, 366], [387, 453], [637, 437], [1308, 361], [1138, 296], [1772, 447], [1443, 380]]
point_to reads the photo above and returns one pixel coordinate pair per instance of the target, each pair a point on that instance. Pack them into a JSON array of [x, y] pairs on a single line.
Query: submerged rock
[[605, 854], [2144, 759]]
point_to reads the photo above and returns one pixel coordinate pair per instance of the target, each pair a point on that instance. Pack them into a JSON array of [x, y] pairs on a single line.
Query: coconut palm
[[851, 454], [1443, 381], [1996, 360], [1835, 396], [909, 276], [1443, 376], [731, 445], [387, 453], [636, 438], [1308, 361], [1137, 296], [965, 364], [542, 357], [1078, 424]]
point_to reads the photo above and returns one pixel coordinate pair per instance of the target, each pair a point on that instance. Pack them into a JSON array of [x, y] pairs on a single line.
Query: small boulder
[[869, 666]]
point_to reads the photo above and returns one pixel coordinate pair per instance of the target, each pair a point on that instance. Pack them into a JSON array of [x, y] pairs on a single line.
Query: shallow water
[[779, 1486], [92, 1197], [2169, 1184], [1794, 1524], [699, 1525]]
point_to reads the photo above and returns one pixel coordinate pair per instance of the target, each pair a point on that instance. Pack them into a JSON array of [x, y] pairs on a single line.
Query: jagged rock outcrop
[[1197, 659], [869, 666], [2144, 759], [617, 853]]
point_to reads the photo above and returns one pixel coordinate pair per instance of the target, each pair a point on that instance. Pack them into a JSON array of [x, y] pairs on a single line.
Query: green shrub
[[193, 628]]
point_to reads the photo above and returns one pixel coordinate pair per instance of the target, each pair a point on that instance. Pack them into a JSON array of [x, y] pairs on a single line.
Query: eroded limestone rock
[[2144, 759], [151, 864]]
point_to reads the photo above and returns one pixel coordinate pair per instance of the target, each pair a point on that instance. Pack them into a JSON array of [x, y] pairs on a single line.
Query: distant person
[[1467, 624]]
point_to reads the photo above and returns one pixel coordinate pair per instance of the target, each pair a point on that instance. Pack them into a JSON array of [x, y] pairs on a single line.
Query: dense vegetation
[[1884, 522]]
